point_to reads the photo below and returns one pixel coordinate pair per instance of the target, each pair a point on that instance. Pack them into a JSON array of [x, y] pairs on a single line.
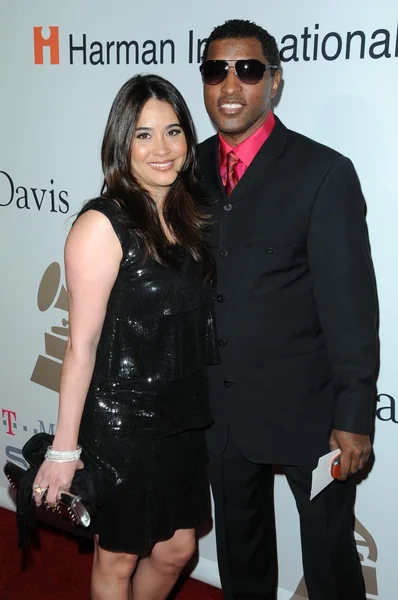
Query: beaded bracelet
[[60, 456]]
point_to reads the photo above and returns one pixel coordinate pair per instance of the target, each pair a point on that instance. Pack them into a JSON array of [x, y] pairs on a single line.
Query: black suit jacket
[[296, 304]]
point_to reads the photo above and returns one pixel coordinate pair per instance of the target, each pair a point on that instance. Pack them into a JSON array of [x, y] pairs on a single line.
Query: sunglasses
[[249, 71]]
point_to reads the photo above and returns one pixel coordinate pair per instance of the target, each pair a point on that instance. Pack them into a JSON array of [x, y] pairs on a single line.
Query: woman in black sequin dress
[[133, 386]]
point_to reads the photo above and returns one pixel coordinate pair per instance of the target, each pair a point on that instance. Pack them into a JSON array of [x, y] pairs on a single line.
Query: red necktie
[[231, 176]]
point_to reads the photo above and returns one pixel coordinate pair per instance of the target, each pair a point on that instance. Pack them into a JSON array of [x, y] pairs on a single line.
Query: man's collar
[[247, 150]]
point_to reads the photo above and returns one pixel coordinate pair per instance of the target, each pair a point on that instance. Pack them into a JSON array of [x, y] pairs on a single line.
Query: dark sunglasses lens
[[214, 71], [249, 71]]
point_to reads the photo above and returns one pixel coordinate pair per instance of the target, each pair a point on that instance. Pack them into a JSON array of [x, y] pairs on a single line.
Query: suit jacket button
[[228, 207], [222, 343], [270, 250], [220, 298], [223, 253], [227, 383]]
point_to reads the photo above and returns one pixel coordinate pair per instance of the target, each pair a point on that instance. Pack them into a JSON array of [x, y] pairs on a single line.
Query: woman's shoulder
[[112, 210], [107, 206]]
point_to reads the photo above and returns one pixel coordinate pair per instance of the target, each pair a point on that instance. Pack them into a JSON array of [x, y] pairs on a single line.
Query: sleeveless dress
[[147, 409]]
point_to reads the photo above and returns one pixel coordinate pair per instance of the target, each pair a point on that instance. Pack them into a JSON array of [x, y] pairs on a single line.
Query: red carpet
[[60, 571]]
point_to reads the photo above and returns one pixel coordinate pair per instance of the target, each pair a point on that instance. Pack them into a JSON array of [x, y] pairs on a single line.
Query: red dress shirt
[[246, 150]]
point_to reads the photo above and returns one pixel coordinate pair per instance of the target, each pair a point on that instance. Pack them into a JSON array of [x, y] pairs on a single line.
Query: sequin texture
[[149, 379]]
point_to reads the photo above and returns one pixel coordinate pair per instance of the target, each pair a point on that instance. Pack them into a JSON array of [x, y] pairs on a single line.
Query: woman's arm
[[92, 258]]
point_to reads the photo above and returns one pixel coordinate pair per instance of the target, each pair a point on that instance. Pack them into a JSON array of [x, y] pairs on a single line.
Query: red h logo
[[40, 42]]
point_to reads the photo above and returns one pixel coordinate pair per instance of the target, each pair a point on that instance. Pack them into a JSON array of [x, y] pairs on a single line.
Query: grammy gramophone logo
[[367, 550], [52, 295]]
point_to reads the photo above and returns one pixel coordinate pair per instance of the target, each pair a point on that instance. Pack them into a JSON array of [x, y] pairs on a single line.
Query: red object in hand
[[336, 468]]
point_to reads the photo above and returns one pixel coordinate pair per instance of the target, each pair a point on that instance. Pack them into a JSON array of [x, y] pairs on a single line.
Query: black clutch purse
[[69, 506], [78, 505]]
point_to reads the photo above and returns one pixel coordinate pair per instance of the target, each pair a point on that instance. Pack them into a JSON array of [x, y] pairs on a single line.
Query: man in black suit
[[297, 321]]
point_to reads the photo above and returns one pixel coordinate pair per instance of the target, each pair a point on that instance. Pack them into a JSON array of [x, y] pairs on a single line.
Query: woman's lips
[[161, 166]]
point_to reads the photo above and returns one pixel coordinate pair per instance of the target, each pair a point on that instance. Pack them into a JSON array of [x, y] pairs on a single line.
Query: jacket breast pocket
[[269, 255], [270, 246]]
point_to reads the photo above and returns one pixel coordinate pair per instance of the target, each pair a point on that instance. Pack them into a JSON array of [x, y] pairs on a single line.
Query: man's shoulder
[[305, 148], [312, 150], [207, 146]]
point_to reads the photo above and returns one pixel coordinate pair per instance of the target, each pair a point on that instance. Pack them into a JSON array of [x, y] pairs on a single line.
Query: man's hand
[[355, 451]]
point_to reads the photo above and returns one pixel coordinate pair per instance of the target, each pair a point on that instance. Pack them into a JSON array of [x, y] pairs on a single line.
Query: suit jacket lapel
[[259, 171], [264, 164], [210, 168]]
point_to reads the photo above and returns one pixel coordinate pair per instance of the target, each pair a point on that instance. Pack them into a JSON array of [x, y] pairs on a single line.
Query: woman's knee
[[173, 555], [115, 564]]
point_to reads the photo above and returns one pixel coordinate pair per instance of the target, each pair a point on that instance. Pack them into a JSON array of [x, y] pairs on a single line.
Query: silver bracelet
[[60, 456]]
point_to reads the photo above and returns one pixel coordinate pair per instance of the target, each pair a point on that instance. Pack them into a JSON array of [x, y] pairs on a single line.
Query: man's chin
[[233, 127]]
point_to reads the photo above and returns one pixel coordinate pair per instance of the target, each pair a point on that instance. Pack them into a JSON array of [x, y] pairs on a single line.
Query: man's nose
[[231, 83]]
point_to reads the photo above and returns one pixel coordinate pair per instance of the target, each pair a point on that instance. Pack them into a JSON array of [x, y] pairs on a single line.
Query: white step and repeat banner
[[61, 66]]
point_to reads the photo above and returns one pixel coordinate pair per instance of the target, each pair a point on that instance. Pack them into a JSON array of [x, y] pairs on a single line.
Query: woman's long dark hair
[[182, 212]]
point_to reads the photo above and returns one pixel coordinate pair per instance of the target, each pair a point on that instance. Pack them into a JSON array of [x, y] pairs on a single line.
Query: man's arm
[[345, 294]]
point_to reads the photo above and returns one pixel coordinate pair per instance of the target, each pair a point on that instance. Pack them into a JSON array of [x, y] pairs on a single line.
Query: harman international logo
[[52, 294], [311, 43], [82, 50], [42, 41]]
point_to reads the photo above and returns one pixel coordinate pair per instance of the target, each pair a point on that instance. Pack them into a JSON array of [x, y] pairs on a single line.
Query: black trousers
[[245, 531]]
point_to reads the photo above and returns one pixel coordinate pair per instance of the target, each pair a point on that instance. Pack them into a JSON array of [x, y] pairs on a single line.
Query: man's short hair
[[239, 29]]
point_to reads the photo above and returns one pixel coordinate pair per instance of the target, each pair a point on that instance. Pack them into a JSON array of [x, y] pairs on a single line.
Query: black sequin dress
[[146, 410]]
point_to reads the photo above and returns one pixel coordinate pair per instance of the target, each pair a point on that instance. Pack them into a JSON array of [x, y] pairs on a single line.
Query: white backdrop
[[340, 87]]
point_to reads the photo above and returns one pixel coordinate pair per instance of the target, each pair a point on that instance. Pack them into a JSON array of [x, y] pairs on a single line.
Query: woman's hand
[[53, 477]]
